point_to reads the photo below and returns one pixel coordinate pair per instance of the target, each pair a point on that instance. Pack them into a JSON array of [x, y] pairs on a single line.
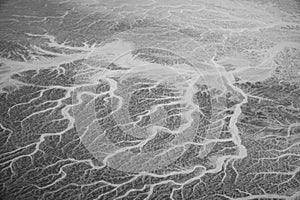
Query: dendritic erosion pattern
[[149, 100]]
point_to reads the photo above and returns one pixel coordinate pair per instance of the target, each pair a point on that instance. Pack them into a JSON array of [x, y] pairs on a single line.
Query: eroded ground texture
[[156, 100]]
